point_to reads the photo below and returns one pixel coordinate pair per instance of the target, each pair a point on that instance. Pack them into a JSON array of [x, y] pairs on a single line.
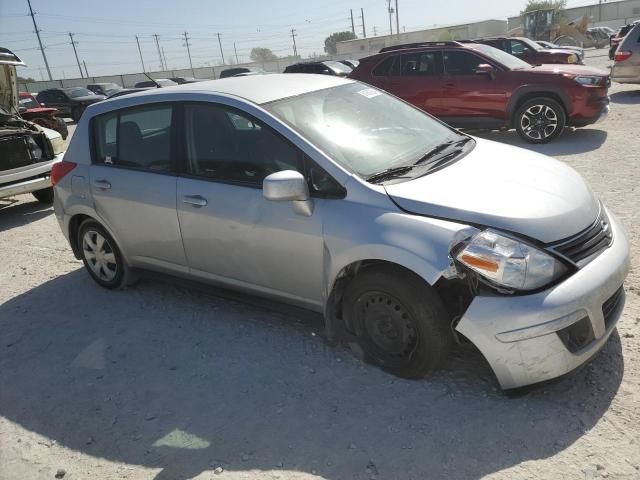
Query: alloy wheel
[[99, 255], [539, 122]]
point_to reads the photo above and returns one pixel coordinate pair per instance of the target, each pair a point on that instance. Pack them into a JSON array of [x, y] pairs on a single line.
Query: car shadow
[[571, 142], [14, 213], [167, 376], [627, 97]]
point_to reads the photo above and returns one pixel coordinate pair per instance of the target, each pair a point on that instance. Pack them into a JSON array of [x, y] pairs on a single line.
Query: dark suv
[[471, 85], [532, 52], [70, 101]]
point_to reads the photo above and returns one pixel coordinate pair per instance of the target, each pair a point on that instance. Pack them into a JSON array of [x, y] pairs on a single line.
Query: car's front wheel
[[540, 120], [399, 320], [101, 256]]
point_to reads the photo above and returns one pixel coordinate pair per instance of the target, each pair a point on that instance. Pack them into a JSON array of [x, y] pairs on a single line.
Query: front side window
[[137, 138], [422, 64], [389, 66], [361, 128], [503, 58], [461, 63], [227, 145], [79, 92], [518, 48]]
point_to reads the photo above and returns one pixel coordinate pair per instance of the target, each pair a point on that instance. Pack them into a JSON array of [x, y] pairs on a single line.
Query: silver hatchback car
[[335, 196], [626, 68]]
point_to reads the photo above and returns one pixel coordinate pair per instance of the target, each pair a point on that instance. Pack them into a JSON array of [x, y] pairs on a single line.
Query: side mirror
[[22, 110], [285, 186], [486, 69]]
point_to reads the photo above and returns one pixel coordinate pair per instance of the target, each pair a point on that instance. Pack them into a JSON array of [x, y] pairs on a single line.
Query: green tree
[[533, 5], [331, 40], [261, 55]]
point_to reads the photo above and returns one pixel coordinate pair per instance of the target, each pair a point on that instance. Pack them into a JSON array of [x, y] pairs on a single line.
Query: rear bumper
[[27, 179], [519, 336], [27, 186]]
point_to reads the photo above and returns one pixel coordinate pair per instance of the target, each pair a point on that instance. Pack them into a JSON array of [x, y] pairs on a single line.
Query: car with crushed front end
[[332, 195], [27, 150]]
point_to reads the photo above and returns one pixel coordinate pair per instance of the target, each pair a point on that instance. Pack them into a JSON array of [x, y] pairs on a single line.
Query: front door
[[133, 184], [230, 232], [471, 98]]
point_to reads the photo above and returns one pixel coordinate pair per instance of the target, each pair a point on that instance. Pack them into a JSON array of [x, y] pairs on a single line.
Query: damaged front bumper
[[531, 338]]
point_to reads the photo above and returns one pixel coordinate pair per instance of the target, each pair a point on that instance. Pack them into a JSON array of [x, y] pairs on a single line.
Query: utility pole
[[293, 37], [390, 12], [397, 21], [186, 42], [364, 30], [73, 44], [236, 52], [221, 52], [600, 10], [85, 68], [353, 26], [155, 35], [140, 52], [46, 64], [164, 58], [375, 31]]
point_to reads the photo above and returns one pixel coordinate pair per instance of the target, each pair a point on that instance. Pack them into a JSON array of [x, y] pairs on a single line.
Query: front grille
[[591, 241], [610, 307]]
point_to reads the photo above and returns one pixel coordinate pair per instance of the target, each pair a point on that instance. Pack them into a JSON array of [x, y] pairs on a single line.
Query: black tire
[[62, 128], [44, 196], [399, 320], [540, 120], [103, 262], [76, 113]]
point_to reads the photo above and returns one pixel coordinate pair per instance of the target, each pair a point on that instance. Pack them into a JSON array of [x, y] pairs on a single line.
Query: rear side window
[[422, 64], [384, 68], [461, 63], [137, 138]]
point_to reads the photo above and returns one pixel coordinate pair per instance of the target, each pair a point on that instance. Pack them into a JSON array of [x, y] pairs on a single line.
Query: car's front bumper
[[518, 334]]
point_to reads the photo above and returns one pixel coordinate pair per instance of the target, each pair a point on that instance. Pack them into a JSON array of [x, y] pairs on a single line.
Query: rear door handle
[[102, 184], [195, 200]]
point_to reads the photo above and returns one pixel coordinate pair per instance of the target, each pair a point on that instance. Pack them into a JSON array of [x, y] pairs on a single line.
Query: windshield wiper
[[389, 173], [440, 148]]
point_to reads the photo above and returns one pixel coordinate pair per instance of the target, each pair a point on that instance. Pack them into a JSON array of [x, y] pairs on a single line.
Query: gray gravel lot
[[171, 380]]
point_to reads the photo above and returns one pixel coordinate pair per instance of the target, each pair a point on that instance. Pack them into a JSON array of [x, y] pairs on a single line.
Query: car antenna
[[156, 83]]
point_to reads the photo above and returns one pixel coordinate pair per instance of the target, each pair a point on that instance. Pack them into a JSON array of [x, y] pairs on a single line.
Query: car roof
[[257, 88]]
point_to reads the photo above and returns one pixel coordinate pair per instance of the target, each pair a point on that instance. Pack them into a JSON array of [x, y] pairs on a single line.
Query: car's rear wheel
[[44, 195], [540, 120], [399, 320], [101, 256]]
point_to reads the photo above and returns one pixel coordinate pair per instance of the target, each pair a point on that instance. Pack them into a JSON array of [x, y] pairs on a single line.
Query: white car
[[27, 151]]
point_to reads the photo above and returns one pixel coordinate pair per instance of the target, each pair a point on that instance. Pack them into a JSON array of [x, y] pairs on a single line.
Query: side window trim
[[118, 112]]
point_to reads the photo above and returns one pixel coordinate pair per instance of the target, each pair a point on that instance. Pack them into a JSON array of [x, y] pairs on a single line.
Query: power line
[[187, 44], [33, 18], [73, 44]]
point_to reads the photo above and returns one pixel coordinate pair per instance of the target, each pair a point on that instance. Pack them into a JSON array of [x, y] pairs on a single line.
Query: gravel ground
[[171, 380]]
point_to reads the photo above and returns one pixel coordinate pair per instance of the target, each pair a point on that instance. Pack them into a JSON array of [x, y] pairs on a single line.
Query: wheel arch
[[525, 94], [78, 219]]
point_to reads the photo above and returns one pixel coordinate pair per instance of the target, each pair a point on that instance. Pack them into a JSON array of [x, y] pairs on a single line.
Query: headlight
[[587, 80], [572, 58], [58, 145], [509, 263]]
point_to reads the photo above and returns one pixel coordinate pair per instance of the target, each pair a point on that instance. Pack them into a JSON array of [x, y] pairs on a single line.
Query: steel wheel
[[539, 122], [387, 326], [99, 255]]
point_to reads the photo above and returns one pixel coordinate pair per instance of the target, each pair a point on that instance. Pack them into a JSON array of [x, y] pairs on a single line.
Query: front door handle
[[102, 184], [195, 200]]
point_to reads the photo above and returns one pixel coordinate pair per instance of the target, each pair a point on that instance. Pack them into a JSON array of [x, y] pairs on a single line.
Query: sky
[[105, 31]]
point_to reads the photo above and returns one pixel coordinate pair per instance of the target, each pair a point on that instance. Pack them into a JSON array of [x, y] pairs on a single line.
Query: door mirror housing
[[22, 110], [486, 69], [285, 186]]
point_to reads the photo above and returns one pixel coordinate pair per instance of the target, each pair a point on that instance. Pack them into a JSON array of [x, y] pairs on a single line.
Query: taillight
[[621, 56], [59, 170]]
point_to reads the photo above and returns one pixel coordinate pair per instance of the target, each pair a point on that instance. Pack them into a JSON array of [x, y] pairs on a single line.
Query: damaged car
[[27, 151], [336, 196]]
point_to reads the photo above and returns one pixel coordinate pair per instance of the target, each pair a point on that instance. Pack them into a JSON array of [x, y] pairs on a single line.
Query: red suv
[[471, 85], [531, 52]]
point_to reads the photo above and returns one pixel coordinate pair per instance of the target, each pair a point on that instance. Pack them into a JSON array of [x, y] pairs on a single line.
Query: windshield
[[28, 102], [501, 57], [166, 83], [361, 128], [530, 43], [78, 92], [338, 67]]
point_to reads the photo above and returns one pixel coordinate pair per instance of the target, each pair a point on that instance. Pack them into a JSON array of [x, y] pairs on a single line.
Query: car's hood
[[572, 69], [556, 51], [504, 187], [40, 110]]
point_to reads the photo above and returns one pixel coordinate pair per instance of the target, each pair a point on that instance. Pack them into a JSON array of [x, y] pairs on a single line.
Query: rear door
[[471, 98], [133, 183], [418, 79]]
